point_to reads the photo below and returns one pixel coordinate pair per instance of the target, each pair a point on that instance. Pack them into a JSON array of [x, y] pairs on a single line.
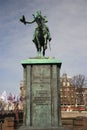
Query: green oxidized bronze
[[42, 34]]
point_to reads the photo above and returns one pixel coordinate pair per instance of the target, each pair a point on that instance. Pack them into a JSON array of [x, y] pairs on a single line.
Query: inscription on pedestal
[[41, 95]]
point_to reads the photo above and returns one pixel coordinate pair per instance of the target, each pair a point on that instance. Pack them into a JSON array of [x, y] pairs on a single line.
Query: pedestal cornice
[[41, 60]]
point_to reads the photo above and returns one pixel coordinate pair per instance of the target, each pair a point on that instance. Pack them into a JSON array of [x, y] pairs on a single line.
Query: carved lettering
[[41, 100], [42, 97]]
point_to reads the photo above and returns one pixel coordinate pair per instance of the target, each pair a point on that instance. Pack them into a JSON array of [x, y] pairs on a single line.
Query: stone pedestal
[[42, 94]]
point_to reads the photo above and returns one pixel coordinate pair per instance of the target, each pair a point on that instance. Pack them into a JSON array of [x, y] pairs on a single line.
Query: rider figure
[[39, 19]]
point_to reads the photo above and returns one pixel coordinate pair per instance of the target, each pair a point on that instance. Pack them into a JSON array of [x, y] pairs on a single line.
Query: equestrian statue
[[42, 34]]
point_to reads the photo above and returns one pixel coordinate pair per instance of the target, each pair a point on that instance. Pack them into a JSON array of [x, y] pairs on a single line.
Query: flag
[[11, 97], [4, 96]]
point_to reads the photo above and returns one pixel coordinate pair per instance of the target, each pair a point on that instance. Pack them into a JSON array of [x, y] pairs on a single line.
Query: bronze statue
[[41, 34]]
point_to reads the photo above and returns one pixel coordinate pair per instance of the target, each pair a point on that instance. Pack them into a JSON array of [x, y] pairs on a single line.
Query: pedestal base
[[51, 128], [42, 95], [42, 109]]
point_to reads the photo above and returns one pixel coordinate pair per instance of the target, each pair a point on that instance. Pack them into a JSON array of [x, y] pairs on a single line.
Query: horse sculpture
[[41, 39], [41, 35]]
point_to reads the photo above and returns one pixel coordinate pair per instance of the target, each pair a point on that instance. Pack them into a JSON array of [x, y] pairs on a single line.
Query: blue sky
[[67, 21]]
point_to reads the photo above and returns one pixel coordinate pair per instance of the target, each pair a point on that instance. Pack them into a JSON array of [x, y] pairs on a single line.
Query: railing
[[8, 121], [75, 123]]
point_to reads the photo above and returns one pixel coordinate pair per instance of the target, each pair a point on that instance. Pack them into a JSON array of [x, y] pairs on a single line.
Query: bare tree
[[78, 82]]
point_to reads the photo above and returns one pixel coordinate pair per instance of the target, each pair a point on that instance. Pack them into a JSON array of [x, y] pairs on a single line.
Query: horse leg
[[45, 41], [45, 44], [37, 42], [43, 52], [39, 51], [38, 47]]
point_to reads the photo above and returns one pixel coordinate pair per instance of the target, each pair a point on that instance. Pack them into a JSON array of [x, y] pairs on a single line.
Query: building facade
[[67, 92]]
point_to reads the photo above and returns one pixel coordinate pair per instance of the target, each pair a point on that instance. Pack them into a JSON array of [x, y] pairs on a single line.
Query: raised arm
[[23, 20]]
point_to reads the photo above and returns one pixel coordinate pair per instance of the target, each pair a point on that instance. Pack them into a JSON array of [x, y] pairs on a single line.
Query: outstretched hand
[[22, 19]]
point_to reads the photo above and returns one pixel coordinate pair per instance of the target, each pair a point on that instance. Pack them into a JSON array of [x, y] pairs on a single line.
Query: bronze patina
[[42, 34]]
